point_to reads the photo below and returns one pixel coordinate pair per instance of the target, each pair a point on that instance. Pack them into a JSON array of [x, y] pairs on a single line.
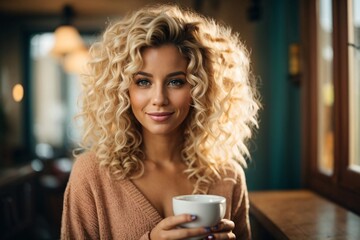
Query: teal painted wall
[[275, 162]]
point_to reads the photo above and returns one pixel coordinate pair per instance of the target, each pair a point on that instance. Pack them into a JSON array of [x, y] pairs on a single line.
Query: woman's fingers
[[169, 228], [174, 221], [223, 230], [223, 226], [227, 235], [184, 233]]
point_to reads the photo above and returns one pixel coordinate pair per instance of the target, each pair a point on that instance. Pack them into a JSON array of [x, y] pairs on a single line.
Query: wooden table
[[302, 214]]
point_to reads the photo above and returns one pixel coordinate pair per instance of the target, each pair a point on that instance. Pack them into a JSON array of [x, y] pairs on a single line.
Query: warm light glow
[[18, 92], [294, 59], [67, 40], [75, 62], [328, 94]]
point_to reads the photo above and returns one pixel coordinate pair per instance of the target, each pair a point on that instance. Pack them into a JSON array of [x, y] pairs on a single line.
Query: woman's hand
[[168, 228], [223, 230]]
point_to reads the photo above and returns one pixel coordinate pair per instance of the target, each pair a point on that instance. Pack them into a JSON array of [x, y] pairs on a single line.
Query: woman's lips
[[160, 116]]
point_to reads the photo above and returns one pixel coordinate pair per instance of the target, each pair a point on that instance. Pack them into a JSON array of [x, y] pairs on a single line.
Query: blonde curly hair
[[225, 102]]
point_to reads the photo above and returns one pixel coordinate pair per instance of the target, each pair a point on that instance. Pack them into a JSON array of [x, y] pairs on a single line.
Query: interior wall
[[10, 73], [276, 150]]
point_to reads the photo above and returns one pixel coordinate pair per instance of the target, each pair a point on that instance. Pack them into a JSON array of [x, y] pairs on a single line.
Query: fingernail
[[210, 237], [207, 229], [193, 217]]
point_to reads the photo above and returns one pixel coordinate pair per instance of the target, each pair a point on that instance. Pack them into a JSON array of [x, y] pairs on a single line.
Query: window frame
[[343, 186]]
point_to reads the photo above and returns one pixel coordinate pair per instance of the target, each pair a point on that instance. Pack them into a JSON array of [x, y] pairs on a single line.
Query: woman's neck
[[162, 149]]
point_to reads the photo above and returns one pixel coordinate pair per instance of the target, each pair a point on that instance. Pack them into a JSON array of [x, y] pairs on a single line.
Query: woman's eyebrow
[[168, 75], [144, 74], [176, 73]]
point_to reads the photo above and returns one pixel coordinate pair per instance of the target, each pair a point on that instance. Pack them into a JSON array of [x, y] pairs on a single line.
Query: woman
[[167, 107]]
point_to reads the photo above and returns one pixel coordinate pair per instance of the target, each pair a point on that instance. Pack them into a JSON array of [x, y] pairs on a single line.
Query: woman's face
[[159, 94]]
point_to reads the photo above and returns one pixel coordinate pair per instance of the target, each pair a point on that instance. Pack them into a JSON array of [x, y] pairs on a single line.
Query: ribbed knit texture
[[98, 207]]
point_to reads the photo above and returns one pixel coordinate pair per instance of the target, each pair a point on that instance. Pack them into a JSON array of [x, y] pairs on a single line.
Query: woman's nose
[[160, 96]]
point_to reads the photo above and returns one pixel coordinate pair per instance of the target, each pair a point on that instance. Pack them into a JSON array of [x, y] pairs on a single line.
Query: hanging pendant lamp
[[67, 37]]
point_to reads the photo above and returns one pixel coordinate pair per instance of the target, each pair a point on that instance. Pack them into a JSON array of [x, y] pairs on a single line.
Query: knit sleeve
[[240, 210], [146, 236], [79, 218]]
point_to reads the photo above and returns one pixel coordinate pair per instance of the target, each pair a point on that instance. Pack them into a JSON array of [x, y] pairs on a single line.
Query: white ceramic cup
[[208, 209]]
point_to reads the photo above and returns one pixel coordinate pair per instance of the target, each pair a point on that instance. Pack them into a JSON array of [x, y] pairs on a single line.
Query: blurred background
[[39, 86]]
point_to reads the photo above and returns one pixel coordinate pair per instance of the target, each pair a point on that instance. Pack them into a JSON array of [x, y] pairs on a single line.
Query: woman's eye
[[142, 82], [176, 82]]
